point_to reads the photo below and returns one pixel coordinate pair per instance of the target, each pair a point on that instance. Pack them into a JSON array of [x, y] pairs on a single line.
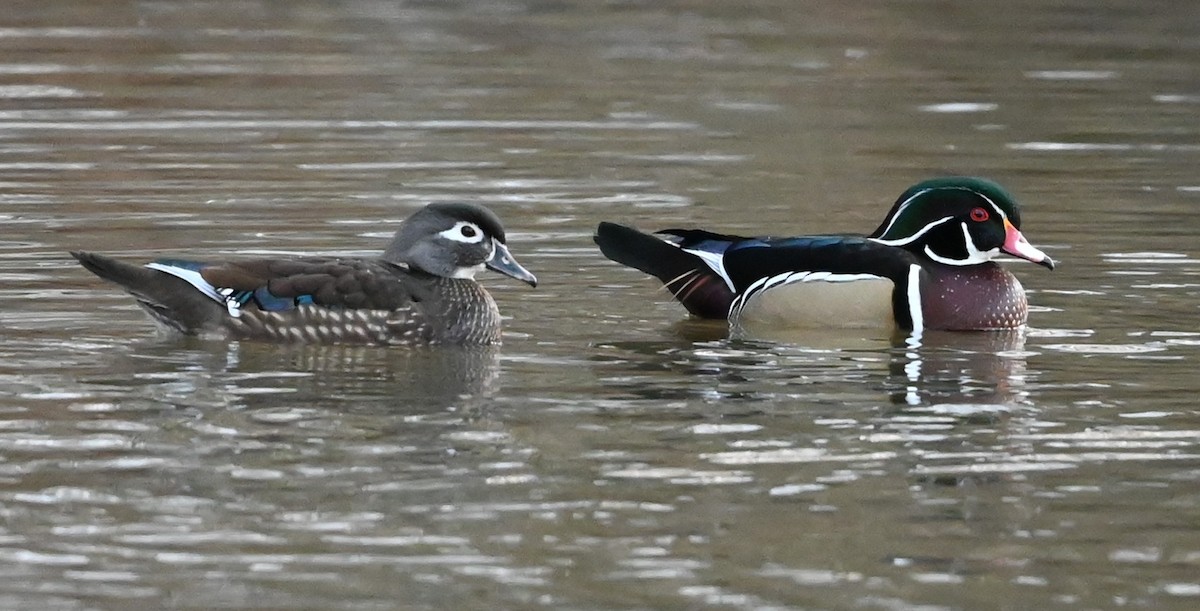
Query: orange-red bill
[[1016, 245]]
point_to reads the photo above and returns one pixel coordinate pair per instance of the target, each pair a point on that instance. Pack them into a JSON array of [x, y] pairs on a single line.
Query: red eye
[[979, 215]]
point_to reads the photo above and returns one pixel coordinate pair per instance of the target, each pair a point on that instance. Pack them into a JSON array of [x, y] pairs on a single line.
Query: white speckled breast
[[465, 313], [972, 298]]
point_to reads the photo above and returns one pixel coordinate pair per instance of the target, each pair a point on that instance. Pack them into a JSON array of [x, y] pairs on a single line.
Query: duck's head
[[958, 221], [455, 240]]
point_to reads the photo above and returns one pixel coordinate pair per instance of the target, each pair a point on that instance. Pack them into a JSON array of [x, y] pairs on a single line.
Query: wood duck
[[928, 266], [420, 291]]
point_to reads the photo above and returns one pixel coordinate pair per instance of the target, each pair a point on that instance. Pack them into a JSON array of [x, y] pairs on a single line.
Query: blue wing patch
[[263, 299], [749, 243], [810, 242]]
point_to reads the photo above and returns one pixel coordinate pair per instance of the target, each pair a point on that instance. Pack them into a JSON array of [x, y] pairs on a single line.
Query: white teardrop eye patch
[[465, 232]]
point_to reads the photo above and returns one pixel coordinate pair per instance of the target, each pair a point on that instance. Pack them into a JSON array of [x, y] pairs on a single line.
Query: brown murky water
[[610, 454]]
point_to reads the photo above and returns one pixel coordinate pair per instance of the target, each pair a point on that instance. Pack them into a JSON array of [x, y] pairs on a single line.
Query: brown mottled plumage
[[421, 291]]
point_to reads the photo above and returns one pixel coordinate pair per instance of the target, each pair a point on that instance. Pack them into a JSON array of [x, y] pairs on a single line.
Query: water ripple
[[1072, 75], [1118, 147], [792, 455], [959, 107], [158, 125]]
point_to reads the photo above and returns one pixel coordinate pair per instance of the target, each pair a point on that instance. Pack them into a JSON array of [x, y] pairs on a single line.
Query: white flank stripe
[[791, 277], [832, 277], [762, 285]]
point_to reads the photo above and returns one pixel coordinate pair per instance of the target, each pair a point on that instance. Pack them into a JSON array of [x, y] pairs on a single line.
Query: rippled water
[[611, 454]]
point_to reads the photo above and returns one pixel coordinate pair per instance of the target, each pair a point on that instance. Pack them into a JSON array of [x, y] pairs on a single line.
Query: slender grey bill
[[503, 262]]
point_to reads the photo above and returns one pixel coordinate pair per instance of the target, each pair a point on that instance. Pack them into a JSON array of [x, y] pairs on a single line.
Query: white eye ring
[[465, 232]]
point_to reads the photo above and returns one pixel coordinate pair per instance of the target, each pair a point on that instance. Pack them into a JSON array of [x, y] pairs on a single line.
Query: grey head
[[455, 241]]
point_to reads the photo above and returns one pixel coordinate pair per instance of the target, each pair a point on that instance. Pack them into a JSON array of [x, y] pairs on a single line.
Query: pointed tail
[[170, 300], [693, 283]]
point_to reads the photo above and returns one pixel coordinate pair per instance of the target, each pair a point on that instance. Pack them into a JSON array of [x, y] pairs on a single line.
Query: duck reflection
[[437, 374], [938, 369], [973, 368], [233, 375]]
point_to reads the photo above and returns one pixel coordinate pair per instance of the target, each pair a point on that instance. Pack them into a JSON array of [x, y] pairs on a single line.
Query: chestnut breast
[[972, 298]]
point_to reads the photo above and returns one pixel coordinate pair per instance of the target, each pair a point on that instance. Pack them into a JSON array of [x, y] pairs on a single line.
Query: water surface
[[611, 454]]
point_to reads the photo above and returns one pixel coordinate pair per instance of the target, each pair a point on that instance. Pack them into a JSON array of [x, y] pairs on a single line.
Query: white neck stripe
[[914, 300]]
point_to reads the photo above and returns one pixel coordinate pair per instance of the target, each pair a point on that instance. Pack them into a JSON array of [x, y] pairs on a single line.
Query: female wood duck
[[928, 266], [420, 291]]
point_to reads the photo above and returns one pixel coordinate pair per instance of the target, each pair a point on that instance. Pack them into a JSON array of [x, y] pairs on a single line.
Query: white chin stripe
[[974, 255], [467, 273]]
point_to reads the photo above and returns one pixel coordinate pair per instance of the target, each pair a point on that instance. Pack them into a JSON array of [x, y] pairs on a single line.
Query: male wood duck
[[420, 291], [928, 266]]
